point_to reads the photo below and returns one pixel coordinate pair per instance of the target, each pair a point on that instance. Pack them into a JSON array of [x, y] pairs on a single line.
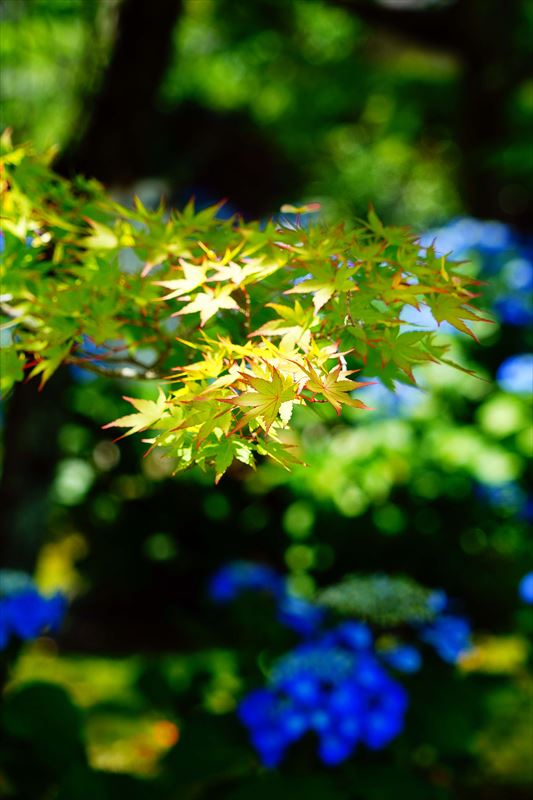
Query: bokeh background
[[422, 108]]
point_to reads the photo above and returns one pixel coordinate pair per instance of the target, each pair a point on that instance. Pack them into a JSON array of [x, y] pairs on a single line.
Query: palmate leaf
[[334, 387], [49, 362], [149, 413], [294, 325], [209, 302], [11, 369], [453, 310], [335, 279], [193, 277], [230, 449], [403, 350], [265, 398]]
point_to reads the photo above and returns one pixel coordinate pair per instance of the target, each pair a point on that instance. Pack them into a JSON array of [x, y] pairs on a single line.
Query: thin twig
[[123, 373]]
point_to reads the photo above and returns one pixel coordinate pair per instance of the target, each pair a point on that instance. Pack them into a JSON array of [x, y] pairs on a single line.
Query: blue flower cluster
[[336, 683], [449, 636], [25, 612], [508, 496], [293, 612], [525, 588], [515, 374], [404, 400], [237, 577], [333, 687]]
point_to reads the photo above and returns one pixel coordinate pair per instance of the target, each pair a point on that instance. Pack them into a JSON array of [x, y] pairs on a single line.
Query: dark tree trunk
[[32, 426], [490, 73], [118, 134]]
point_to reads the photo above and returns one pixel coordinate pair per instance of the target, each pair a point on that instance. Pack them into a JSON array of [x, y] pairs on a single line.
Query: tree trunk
[[117, 137], [490, 72], [31, 452]]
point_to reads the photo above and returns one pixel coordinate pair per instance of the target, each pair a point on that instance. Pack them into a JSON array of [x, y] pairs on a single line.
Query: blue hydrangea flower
[[515, 374], [464, 234], [233, 579], [300, 615], [526, 511], [525, 588], [449, 636], [514, 309], [25, 612], [437, 601], [518, 273], [4, 626], [507, 495], [402, 401], [355, 635], [403, 658], [29, 613], [334, 688]]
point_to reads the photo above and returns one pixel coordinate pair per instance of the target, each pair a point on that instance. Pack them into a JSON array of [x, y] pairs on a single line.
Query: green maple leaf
[[50, 362], [334, 387], [230, 449], [194, 276], [149, 413], [293, 324], [209, 302], [11, 369], [404, 350], [446, 308], [103, 237], [265, 399], [324, 286], [278, 452]]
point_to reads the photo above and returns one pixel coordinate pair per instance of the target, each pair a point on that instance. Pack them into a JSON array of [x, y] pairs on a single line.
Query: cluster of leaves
[[240, 321]]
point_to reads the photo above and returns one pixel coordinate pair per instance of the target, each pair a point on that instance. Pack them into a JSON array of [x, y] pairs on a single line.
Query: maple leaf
[[251, 271], [334, 386], [194, 276], [47, 365], [293, 324], [230, 449], [446, 308], [280, 452], [403, 350], [266, 398], [149, 413], [209, 302], [338, 279]]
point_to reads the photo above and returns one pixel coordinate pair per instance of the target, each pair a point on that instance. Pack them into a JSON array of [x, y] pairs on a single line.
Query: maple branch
[[123, 373]]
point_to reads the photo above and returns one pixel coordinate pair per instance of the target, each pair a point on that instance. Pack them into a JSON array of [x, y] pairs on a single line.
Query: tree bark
[[31, 454], [117, 137]]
